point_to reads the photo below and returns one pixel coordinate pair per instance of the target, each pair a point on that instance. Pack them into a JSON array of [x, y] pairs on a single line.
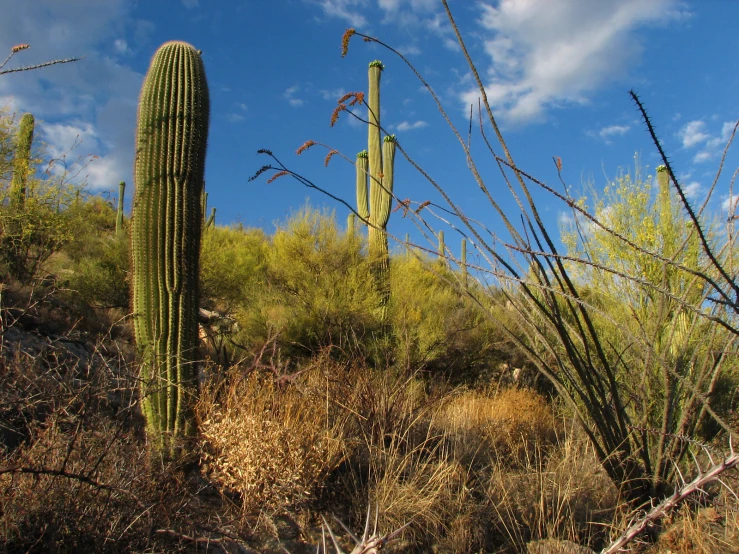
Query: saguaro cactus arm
[[362, 180]]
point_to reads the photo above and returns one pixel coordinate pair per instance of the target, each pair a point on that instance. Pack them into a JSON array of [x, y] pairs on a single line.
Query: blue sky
[[557, 73]]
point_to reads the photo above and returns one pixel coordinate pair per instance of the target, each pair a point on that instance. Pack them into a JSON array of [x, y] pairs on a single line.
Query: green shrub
[[32, 233], [435, 325], [232, 266], [100, 277], [318, 291]]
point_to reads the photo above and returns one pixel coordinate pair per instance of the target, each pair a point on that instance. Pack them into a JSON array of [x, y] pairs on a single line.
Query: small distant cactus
[[22, 161], [171, 138], [463, 261], [119, 214], [442, 246], [211, 219]]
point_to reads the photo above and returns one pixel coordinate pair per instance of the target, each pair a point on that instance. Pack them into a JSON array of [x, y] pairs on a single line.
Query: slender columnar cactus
[[211, 219], [376, 165], [22, 162], [171, 139], [463, 261], [119, 213], [351, 222], [442, 247]]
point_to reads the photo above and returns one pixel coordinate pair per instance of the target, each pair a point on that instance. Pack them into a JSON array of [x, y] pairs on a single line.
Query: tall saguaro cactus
[[376, 165], [171, 142], [22, 161], [119, 213]]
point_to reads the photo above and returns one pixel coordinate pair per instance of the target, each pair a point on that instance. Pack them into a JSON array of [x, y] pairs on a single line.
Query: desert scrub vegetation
[[326, 378]]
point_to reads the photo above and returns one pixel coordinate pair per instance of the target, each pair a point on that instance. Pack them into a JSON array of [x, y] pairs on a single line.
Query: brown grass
[[507, 427], [272, 444], [567, 496]]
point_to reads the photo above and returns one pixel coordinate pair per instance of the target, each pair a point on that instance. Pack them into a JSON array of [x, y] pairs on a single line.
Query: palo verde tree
[[165, 240]]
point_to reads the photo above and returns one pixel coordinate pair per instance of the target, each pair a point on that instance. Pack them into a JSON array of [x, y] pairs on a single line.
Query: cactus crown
[[377, 63], [362, 154], [390, 138], [661, 168]]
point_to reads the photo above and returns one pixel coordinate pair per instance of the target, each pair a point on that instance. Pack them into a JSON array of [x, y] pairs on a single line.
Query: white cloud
[[415, 5], [410, 50], [547, 53], [348, 10], [407, 126], [613, 130], [73, 148], [693, 133], [702, 156], [121, 46], [692, 189], [95, 97], [235, 117], [190, 4], [566, 220], [730, 203], [289, 95], [333, 95], [696, 133]]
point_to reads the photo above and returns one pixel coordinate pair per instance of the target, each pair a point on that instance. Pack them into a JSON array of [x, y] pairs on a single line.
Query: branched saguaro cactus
[[119, 213], [167, 224], [377, 165], [22, 161]]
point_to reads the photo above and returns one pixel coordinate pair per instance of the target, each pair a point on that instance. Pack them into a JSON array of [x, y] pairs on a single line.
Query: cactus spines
[[171, 137], [22, 161], [119, 212]]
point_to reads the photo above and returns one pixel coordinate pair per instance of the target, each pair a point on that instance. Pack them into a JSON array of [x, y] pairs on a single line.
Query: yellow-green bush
[[232, 266], [317, 291], [435, 325]]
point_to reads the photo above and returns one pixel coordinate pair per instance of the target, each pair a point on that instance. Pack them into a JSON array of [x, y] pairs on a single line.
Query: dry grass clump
[[697, 532], [427, 488], [402, 465], [271, 443], [567, 496], [509, 426]]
